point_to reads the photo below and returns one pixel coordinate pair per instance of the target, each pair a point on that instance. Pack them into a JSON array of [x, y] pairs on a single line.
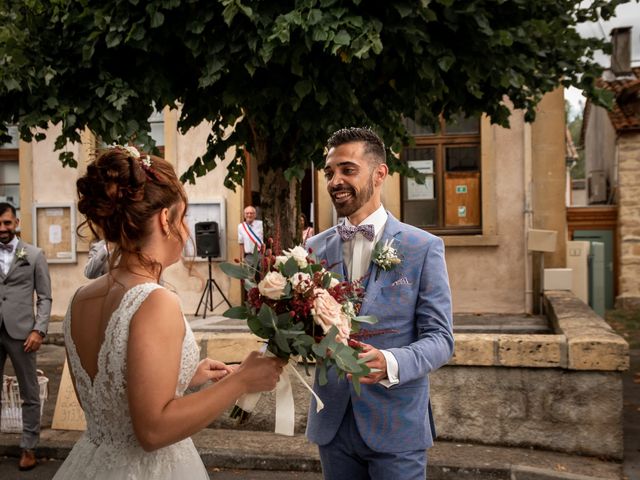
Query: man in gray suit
[[23, 270], [98, 263], [381, 433]]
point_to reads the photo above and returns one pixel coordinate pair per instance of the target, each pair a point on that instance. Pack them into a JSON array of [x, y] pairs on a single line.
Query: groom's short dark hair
[[373, 145], [4, 206]]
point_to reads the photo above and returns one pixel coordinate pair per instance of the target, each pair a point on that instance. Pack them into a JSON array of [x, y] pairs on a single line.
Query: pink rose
[[272, 285], [328, 312]]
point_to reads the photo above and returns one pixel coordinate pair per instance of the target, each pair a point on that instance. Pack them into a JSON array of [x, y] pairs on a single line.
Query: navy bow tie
[[347, 232], [6, 246]]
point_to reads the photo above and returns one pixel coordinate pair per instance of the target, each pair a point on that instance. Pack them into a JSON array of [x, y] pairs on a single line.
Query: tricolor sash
[[252, 235]]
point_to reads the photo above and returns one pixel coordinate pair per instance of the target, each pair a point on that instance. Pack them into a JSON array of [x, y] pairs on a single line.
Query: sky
[[627, 15]]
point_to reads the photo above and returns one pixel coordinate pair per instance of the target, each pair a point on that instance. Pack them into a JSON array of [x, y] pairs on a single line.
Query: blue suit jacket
[[414, 301]]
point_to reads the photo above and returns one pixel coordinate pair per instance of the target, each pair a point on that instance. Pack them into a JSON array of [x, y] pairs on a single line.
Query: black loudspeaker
[[207, 240]]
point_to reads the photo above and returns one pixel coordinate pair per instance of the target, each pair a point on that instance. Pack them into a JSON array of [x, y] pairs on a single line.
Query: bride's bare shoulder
[[97, 288]]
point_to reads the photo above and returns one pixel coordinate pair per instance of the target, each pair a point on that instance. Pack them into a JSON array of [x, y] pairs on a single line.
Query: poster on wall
[[54, 231], [417, 191], [206, 211]]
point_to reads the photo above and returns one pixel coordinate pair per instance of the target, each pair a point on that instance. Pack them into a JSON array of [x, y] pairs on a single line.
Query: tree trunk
[[279, 202], [279, 199]]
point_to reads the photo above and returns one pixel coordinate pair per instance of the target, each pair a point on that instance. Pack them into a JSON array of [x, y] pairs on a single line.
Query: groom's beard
[[357, 200], [7, 236]]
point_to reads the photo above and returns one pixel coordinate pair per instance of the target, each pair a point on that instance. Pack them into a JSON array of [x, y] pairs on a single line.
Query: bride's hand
[[260, 373], [209, 369]]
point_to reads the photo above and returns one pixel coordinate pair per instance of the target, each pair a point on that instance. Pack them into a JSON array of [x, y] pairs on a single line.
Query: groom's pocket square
[[401, 281]]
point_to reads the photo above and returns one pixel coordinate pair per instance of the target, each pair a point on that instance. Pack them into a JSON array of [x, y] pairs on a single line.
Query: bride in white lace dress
[[131, 352]]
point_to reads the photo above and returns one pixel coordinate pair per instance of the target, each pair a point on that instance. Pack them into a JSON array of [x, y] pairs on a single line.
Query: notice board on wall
[[54, 231], [212, 210]]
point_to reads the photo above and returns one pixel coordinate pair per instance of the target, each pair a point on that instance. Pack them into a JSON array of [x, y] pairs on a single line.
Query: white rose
[[272, 285], [301, 281], [299, 254], [328, 312], [281, 260]]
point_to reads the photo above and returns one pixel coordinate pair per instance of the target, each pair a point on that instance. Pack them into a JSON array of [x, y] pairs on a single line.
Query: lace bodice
[[104, 399]]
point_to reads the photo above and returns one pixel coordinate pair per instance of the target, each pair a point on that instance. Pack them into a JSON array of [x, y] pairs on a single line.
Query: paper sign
[[68, 414], [55, 234], [462, 211], [416, 191]]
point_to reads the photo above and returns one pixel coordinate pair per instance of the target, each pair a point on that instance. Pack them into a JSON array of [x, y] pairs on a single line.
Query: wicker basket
[[11, 412]]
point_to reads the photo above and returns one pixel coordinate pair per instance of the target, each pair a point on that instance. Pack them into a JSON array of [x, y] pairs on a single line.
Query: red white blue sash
[[252, 235]]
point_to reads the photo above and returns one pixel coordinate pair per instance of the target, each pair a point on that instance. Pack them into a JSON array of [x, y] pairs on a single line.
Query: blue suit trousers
[[347, 457]]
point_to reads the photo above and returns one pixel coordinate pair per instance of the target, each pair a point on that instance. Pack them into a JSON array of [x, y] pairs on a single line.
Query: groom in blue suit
[[383, 432]]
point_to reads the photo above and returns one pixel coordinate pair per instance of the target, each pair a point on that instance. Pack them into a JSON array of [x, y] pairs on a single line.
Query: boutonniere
[[385, 256], [21, 254]]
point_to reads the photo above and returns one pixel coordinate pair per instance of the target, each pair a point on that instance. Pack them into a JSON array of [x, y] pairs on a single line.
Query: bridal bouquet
[[302, 309]]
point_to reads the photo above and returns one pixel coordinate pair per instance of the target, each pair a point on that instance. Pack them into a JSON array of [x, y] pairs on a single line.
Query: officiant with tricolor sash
[[250, 233]]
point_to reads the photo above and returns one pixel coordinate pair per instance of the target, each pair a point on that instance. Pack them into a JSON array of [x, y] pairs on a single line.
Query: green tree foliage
[[575, 129], [284, 74]]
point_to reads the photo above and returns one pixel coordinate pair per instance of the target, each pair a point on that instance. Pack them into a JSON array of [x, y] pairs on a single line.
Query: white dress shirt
[[6, 256], [357, 251], [245, 240], [356, 254]]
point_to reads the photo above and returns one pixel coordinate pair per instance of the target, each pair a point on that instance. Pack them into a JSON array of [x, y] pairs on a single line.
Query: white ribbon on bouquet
[[285, 406]]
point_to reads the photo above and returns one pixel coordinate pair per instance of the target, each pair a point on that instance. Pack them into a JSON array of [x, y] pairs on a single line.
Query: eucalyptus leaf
[[355, 381], [284, 320], [256, 327], [267, 317], [322, 373], [235, 270], [290, 267], [281, 342], [239, 313], [369, 319]]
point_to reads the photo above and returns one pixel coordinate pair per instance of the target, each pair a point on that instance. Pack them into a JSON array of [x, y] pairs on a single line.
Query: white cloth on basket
[[109, 450]]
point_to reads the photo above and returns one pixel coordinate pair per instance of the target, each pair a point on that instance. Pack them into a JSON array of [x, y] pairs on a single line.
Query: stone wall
[[550, 408], [559, 392], [629, 219]]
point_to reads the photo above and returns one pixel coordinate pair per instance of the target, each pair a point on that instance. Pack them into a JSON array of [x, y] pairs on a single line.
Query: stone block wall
[[549, 408], [560, 391], [629, 219]]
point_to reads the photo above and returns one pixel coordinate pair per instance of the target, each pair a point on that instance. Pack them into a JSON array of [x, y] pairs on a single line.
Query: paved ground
[[48, 467], [258, 455]]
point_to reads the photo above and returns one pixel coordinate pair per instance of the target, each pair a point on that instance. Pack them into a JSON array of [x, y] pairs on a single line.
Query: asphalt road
[[47, 469]]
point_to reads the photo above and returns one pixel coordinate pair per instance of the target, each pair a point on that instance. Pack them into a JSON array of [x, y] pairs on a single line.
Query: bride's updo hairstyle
[[121, 191]]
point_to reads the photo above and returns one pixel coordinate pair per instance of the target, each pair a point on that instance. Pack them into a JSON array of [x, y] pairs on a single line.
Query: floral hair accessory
[[385, 256], [145, 162], [133, 151]]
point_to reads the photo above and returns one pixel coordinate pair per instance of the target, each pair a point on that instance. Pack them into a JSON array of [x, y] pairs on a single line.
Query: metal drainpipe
[[528, 218]]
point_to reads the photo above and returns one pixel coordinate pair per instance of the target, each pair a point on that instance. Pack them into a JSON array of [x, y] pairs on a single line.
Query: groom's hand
[[376, 362]]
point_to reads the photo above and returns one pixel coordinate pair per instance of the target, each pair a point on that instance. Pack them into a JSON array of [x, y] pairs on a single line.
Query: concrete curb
[[532, 473], [251, 450]]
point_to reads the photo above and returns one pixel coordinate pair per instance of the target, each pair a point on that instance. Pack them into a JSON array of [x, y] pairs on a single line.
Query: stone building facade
[[612, 146], [520, 178], [629, 216]]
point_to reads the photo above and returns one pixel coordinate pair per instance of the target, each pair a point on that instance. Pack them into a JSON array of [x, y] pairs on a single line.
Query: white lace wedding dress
[[109, 450]]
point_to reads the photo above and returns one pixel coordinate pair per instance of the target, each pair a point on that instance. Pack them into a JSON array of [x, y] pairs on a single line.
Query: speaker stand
[[207, 295]]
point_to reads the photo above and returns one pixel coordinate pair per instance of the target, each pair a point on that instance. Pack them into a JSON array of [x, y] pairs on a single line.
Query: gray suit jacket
[[413, 305], [25, 275], [98, 263]]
